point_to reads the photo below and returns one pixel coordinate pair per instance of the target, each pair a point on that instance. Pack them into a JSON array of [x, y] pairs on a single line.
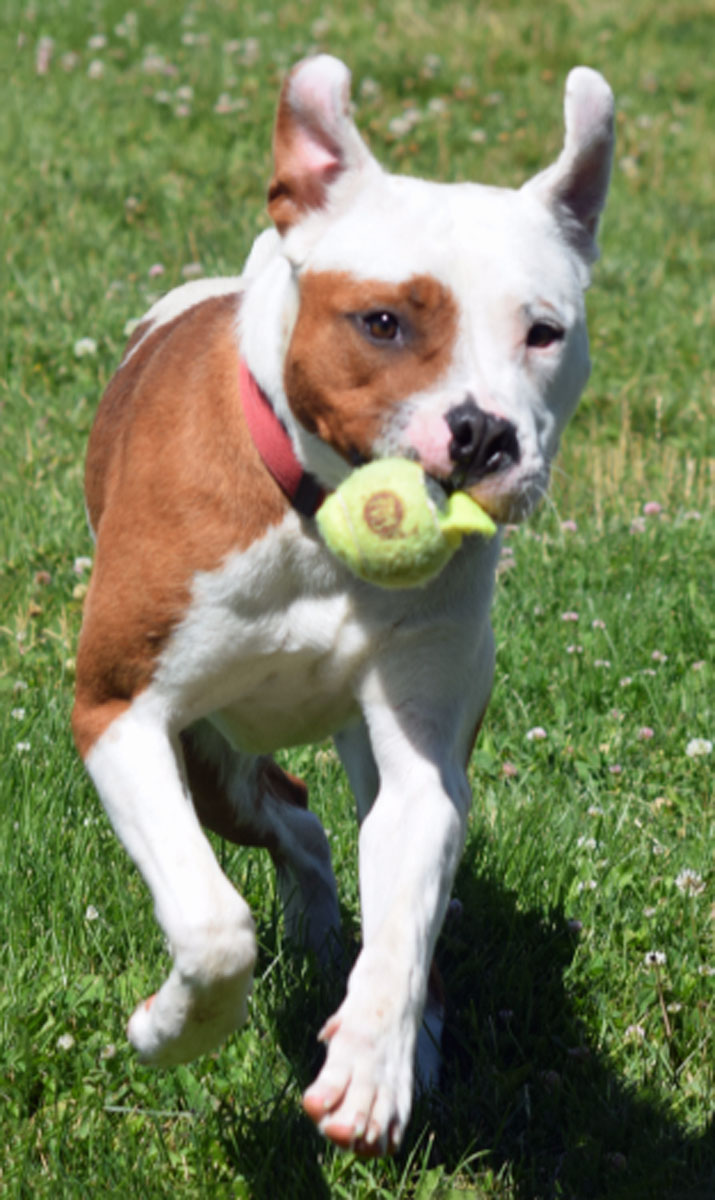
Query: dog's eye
[[543, 334], [381, 326]]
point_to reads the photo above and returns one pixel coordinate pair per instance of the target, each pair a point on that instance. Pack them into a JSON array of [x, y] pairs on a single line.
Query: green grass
[[572, 1067]]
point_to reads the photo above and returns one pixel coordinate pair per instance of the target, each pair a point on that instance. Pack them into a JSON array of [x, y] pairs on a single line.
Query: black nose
[[481, 443]]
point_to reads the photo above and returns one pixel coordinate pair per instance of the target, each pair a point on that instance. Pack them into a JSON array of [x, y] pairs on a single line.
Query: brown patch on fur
[[436, 993], [173, 483], [215, 809], [343, 386], [282, 785], [298, 184]]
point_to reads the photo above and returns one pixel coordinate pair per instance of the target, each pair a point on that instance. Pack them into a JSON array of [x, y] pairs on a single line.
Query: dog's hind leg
[[251, 801]]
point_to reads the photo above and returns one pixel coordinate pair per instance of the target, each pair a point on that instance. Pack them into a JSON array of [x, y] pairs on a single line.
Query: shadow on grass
[[521, 1080], [522, 1088]]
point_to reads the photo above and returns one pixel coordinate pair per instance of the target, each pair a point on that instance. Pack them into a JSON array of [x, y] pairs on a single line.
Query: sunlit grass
[[579, 957]]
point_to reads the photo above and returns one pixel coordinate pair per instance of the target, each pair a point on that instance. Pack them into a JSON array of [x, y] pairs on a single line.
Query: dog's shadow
[[522, 1090]]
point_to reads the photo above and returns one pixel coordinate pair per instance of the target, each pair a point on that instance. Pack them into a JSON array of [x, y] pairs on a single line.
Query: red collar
[[275, 447]]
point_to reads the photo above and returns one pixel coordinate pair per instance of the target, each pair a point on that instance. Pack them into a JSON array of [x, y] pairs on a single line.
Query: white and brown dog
[[382, 316]]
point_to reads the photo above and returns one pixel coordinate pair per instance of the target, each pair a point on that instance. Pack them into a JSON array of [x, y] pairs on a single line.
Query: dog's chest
[[273, 645]]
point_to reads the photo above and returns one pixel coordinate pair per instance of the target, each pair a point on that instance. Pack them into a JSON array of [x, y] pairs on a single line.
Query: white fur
[[167, 308], [281, 645]]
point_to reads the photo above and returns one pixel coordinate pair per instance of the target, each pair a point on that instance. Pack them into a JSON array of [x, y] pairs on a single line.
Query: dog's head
[[439, 322]]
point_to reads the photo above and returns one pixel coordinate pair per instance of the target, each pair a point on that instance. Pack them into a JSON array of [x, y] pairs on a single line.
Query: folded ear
[[575, 186], [315, 142]]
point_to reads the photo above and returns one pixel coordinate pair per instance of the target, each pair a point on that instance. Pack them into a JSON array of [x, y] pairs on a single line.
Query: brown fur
[[173, 484], [341, 385], [296, 187], [217, 812]]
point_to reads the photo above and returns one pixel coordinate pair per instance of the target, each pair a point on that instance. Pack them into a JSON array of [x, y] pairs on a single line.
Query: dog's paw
[[181, 1022], [362, 1097]]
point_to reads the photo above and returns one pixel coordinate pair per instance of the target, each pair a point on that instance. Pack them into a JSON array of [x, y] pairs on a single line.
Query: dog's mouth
[[486, 462]]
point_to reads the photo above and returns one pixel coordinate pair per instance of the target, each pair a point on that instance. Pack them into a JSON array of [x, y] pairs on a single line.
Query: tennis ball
[[394, 526]]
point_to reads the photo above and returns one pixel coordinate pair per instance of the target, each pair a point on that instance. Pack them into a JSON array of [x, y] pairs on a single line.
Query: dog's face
[[443, 323]]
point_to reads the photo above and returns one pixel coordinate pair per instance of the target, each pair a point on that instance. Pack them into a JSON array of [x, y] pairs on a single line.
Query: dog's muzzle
[[481, 444]]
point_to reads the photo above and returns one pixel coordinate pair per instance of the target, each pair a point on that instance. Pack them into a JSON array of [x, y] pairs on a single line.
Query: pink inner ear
[[308, 156]]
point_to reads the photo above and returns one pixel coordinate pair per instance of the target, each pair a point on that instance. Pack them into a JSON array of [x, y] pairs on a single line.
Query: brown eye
[[381, 326], [542, 334]]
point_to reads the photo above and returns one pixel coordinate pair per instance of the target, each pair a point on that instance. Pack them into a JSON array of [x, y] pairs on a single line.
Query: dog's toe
[[361, 1098]]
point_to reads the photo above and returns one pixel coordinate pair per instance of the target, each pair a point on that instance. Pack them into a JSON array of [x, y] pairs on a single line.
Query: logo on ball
[[383, 514]]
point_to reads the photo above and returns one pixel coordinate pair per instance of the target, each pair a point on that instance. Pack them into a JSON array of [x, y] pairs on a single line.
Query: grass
[[577, 1064]]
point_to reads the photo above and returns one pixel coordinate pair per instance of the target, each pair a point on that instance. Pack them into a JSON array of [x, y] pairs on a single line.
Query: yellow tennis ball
[[394, 526]]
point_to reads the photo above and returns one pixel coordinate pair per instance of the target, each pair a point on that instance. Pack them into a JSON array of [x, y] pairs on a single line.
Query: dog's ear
[[575, 186], [315, 142]]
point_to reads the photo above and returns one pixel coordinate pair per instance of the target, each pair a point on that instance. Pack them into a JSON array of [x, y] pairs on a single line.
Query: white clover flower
[[84, 347], [537, 734], [405, 123], [23, 747], [90, 913], [131, 325], [698, 747], [43, 55], [635, 1033], [65, 1041], [654, 958], [370, 89], [689, 882]]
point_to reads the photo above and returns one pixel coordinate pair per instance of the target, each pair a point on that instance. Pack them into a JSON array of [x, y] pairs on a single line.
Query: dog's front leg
[[410, 844], [136, 769]]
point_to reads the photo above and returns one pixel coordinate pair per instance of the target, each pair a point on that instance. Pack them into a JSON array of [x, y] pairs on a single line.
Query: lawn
[[579, 952]]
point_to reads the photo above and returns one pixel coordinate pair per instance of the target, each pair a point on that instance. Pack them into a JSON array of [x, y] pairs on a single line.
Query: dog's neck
[[275, 447]]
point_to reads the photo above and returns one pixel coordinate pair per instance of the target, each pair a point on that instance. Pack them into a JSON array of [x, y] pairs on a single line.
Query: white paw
[[182, 1021], [362, 1097]]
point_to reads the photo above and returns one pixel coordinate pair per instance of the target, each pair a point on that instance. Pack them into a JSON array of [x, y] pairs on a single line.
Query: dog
[[379, 316]]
